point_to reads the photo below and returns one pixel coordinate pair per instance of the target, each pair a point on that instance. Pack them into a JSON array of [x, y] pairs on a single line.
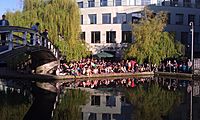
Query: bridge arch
[[18, 50]]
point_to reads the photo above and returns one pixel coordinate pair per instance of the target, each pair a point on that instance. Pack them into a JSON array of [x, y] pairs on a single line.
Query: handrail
[[37, 39], [15, 29]]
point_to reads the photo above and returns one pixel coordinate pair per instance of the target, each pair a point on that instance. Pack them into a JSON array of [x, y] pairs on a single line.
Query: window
[[168, 18], [110, 101], [126, 36], [95, 100], [106, 116], [81, 21], [197, 3], [93, 18], [191, 18], [106, 18], [136, 17], [184, 41], [80, 4], [196, 38], [174, 3], [91, 3], [121, 18], [111, 37], [199, 20], [145, 2], [118, 2], [95, 37], [92, 116], [179, 19], [82, 36], [187, 3], [104, 2], [184, 38]]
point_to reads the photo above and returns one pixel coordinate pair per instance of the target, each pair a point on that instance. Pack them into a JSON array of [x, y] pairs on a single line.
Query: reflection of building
[[106, 23], [106, 106]]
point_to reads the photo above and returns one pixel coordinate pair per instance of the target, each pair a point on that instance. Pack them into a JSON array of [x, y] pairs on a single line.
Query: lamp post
[[192, 44], [192, 60]]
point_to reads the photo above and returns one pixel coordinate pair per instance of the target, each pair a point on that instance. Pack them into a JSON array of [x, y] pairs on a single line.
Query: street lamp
[[192, 44], [192, 60]]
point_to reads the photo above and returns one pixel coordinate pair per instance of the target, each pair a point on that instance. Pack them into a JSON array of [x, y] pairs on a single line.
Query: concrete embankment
[[186, 76], [8, 74]]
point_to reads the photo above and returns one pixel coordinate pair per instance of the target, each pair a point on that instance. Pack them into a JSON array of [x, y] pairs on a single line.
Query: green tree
[[151, 42], [59, 17], [153, 102]]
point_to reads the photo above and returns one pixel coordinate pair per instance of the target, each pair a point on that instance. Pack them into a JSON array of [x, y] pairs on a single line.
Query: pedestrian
[[44, 36], [36, 29], [3, 22]]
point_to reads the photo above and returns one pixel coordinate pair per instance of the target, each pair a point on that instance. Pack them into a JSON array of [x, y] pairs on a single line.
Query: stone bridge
[[37, 55]]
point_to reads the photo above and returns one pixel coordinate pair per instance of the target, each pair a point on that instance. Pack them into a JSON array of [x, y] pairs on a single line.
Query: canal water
[[142, 98]]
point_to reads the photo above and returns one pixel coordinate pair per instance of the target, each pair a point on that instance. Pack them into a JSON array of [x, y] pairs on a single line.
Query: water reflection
[[15, 100], [106, 104], [69, 106], [104, 99], [152, 102], [42, 106]]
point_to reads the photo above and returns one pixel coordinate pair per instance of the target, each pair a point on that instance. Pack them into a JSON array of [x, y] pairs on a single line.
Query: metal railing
[[17, 37]]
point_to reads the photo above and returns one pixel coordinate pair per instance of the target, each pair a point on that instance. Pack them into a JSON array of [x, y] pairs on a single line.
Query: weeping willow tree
[[70, 106], [151, 42], [153, 103], [60, 17]]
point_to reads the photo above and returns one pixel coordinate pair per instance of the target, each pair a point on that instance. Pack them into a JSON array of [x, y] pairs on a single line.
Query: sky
[[10, 5]]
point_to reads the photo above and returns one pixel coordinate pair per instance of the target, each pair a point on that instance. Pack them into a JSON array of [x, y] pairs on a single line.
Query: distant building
[[106, 24]]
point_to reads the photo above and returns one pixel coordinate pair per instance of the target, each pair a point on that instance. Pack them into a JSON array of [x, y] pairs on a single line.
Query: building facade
[[106, 24]]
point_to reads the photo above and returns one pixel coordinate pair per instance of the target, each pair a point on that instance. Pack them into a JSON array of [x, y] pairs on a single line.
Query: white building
[[106, 24]]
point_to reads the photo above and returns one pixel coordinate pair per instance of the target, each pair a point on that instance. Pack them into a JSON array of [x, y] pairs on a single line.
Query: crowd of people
[[91, 66], [181, 66]]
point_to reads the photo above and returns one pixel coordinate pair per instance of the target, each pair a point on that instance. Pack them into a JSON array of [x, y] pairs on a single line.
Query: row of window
[[92, 3], [103, 3], [186, 38], [127, 37], [184, 3], [110, 36], [121, 18], [180, 19]]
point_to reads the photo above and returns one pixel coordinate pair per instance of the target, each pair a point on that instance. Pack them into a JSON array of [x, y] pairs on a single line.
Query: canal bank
[[8, 74], [187, 76]]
